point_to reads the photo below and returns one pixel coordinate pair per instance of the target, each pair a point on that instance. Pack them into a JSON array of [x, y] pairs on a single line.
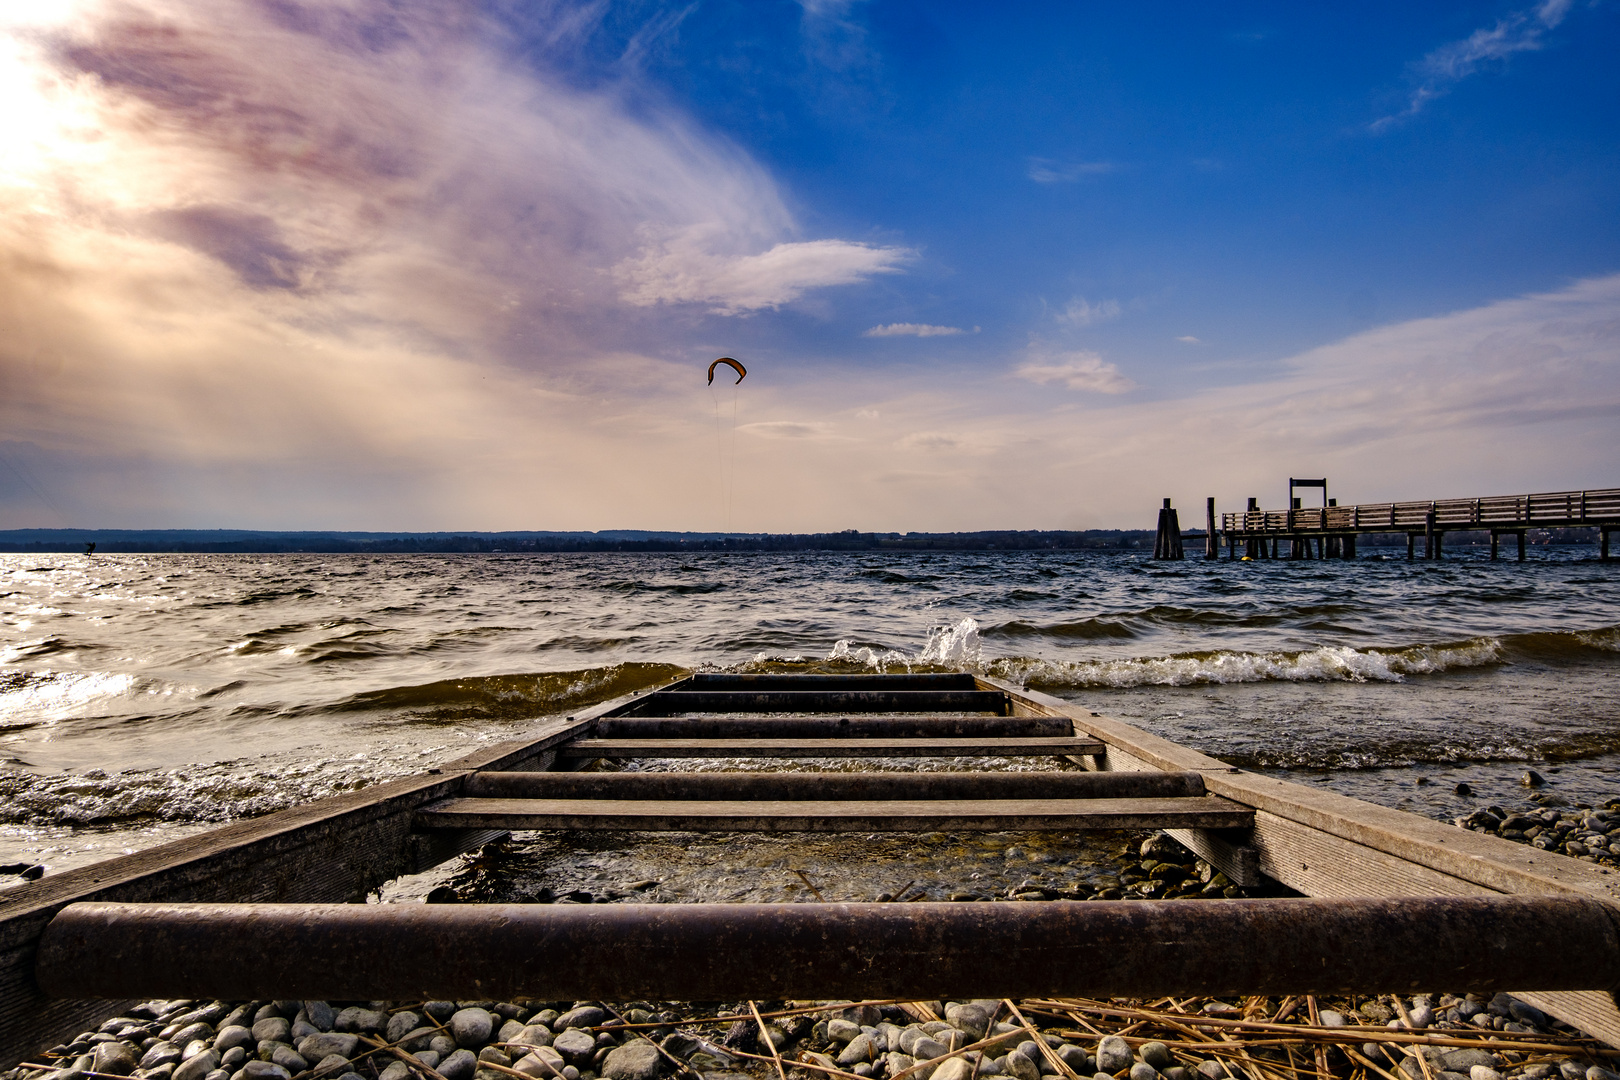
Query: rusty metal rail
[[920, 951]]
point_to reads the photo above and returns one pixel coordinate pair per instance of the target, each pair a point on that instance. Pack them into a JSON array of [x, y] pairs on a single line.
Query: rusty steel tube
[[728, 952], [832, 785]]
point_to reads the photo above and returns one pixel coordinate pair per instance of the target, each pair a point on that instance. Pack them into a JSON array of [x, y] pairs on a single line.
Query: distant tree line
[[180, 541]]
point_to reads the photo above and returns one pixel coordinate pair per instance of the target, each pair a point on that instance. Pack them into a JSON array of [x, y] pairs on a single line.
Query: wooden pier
[[1419, 904], [1331, 531]]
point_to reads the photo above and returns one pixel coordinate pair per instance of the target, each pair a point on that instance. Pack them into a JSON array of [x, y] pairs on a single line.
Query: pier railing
[[1553, 509]]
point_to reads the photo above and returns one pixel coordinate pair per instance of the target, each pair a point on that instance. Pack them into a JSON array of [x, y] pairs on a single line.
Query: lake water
[[146, 697]]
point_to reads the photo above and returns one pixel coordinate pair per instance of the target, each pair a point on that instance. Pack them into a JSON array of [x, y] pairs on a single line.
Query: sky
[[389, 266]]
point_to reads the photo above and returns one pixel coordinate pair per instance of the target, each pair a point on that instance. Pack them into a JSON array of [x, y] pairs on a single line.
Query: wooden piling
[[1212, 544], [1521, 545], [1495, 543], [1167, 545], [1429, 551], [1603, 544]]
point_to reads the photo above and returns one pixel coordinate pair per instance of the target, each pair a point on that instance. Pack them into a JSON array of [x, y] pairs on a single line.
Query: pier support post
[[1495, 543], [1521, 545], [1411, 543], [1167, 545], [1212, 541], [1603, 544], [1349, 549], [1430, 550]]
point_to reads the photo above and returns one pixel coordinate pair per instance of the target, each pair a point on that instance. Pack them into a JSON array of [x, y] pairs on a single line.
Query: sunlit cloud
[[682, 269], [1078, 371], [1188, 339], [907, 329]]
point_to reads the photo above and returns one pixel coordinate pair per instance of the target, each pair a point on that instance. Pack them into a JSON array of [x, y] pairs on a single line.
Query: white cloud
[[789, 429], [1048, 171], [1078, 312], [682, 269], [1188, 339], [1077, 371], [910, 329], [1440, 70]]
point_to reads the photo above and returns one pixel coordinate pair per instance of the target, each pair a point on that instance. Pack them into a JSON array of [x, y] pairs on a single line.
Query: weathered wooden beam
[[828, 727], [1045, 746], [941, 680], [808, 815], [677, 703], [832, 785]]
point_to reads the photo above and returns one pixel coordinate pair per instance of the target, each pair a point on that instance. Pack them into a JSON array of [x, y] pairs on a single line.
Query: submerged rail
[[912, 951]]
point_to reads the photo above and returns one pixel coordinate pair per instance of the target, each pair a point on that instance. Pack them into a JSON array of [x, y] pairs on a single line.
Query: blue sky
[[280, 264]]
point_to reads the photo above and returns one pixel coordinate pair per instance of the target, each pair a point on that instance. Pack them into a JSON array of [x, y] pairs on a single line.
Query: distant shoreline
[[245, 541]]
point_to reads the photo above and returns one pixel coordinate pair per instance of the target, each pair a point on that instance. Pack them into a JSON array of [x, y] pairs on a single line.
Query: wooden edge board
[[866, 747], [806, 815], [1325, 844], [1497, 864]]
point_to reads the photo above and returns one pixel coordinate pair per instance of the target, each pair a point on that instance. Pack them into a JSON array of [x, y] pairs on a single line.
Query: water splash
[[954, 646]]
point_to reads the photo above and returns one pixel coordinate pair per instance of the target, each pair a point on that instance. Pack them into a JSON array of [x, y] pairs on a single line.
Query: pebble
[[926, 1048], [331, 1065], [842, 1031], [971, 1020], [166, 1053], [198, 1067], [471, 1028], [320, 1015], [637, 1059], [272, 1029], [1143, 1071], [322, 1044], [1077, 1059], [397, 1070], [1113, 1055], [118, 1058], [460, 1065], [400, 1025], [1483, 1072], [860, 1049], [1020, 1067], [574, 1045], [584, 1016], [1156, 1054]]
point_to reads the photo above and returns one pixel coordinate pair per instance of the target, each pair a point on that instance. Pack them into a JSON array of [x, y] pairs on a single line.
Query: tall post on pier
[[1212, 542], [1167, 545], [1521, 545], [1255, 546], [1429, 549], [1496, 542], [1603, 544]]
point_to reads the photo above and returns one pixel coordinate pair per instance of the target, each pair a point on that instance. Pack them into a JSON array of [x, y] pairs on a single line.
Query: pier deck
[[1416, 902], [1258, 531]]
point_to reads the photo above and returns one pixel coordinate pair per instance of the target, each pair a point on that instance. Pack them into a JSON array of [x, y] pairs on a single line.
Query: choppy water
[[143, 697]]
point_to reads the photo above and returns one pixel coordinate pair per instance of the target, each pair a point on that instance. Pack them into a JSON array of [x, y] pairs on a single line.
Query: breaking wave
[[1328, 663]]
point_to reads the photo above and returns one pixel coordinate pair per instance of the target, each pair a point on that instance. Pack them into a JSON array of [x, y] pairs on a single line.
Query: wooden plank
[[806, 815], [829, 748], [945, 680], [831, 785], [833, 726], [678, 702]]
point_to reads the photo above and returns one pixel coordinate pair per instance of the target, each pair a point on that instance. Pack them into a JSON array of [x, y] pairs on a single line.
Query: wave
[[1327, 663], [221, 791], [29, 697], [509, 696]]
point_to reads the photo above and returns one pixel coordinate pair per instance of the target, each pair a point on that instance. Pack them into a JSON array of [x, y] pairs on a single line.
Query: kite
[[742, 372]]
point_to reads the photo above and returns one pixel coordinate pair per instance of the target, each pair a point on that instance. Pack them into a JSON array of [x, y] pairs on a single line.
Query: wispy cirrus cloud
[[1451, 63], [1078, 371], [1081, 312], [1051, 171], [908, 329]]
